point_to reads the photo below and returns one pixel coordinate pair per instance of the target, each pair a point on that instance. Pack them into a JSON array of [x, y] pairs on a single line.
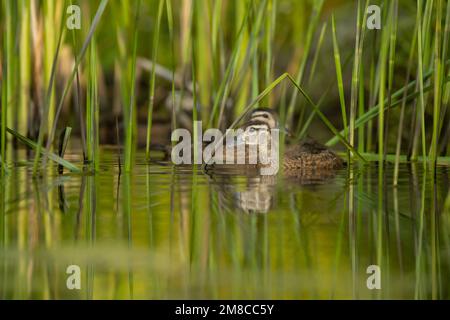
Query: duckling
[[308, 158], [307, 155]]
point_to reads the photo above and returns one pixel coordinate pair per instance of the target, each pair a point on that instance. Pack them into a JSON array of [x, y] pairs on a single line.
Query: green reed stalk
[[34, 146], [43, 127], [312, 73], [382, 81], [132, 103], [92, 110], [361, 108], [426, 61], [224, 87], [438, 72], [77, 96], [402, 110], [202, 41], [446, 89], [373, 89], [25, 67], [420, 74], [391, 64], [195, 116], [312, 26], [215, 42], [63, 142], [5, 68], [255, 74], [50, 44], [359, 44], [340, 82], [153, 76], [373, 111], [270, 33], [245, 55], [172, 47], [302, 126], [68, 85]]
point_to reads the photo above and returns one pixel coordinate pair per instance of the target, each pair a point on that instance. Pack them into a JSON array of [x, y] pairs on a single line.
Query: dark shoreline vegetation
[[90, 104]]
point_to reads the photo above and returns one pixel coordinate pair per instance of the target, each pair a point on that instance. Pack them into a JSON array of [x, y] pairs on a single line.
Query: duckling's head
[[264, 116], [259, 124]]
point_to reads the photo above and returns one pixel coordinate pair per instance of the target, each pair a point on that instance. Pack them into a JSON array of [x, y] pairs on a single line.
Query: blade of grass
[[308, 121], [312, 72], [382, 61], [25, 67], [245, 54], [132, 103], [438, 72], [172, 46], [312, 26], [270, 32], [77, 96], [391, 64], [33, 145], [373, 111], [337, 63], [153, 77], [63, 142], [50, 44], [4, 84], [92, 109], [359, 44], [95, 21], [47, 103], [224, 85], [420, 59], [402, 111]]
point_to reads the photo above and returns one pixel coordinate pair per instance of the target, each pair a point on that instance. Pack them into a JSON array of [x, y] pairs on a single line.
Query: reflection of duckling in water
[[255, 196]]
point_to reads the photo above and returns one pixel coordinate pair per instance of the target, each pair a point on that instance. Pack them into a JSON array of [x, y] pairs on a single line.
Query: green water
[[167, 232]]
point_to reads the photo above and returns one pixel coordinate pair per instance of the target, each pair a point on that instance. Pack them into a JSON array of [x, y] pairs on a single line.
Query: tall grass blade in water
[[43, 128], [340, 82], [5, 83], [359, 44], [438, 73], [67, 87], [153, 75], [312, 26], [92, 110], [129, 143], [382, 62], [420, 75]]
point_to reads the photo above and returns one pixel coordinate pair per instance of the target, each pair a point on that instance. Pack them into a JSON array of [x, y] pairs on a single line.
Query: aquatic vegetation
[[372, 84]]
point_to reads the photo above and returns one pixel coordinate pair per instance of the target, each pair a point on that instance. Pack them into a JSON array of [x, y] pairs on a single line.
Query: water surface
[[165, 232]]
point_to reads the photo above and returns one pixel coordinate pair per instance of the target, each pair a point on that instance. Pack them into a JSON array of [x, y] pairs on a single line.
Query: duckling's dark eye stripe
[[261, 114], [258, 126]]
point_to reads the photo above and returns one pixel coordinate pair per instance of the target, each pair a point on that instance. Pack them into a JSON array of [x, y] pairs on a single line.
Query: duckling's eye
[[252, 129], [265, 115]]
